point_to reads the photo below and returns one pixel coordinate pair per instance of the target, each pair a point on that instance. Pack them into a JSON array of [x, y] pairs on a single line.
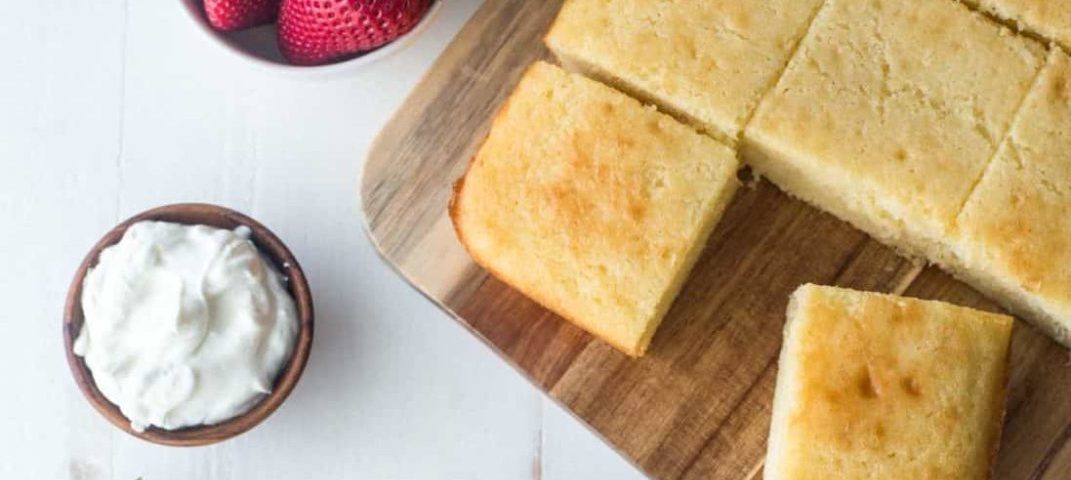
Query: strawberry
[[314, 32], [231, 15]]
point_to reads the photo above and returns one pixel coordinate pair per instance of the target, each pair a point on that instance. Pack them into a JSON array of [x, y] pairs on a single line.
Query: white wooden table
[[111, 107]]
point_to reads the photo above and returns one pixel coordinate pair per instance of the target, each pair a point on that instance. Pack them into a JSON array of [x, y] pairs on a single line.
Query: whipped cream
[[184, 325]]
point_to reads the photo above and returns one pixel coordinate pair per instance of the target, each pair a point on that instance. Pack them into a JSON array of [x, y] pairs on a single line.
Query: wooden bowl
[[271, 248]]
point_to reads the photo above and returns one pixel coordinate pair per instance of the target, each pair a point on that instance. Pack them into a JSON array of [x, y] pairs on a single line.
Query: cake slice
[[1014, 239], [889, 113], [591, 203], [876, 386], [707, 61], [1050, 19]]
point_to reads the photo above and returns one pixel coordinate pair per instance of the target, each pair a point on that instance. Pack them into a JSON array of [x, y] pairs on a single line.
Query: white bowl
[[258, 46]]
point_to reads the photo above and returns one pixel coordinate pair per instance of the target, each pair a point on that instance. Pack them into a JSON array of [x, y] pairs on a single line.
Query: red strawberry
[[231, 15], [314, 32]]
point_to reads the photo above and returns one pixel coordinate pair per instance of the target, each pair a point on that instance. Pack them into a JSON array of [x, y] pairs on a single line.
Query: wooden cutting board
[[698, 405]]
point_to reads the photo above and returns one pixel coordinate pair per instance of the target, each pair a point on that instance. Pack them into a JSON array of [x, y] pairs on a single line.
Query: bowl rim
[[273, 250], [195, 12]]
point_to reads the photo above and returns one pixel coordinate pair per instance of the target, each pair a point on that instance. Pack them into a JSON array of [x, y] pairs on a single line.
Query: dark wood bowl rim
[[271, 248]]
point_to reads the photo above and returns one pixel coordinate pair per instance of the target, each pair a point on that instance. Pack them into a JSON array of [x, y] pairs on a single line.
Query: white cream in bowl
[[184, 325]]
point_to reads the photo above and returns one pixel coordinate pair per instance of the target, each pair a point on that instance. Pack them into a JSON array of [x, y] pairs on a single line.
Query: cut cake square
[[875, 386], [591, 203]]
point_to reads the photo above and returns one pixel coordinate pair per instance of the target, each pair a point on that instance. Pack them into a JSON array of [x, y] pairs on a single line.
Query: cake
[[875, 386], [889, 113], [706, 61], [591, 203], [1014, 240], [1050, 19]]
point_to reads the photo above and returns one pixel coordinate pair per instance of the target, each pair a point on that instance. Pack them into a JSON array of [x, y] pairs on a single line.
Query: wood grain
[[698, 405]]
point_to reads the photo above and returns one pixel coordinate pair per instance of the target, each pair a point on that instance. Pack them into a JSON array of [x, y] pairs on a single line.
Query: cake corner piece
[[867, 381], [591, 203]]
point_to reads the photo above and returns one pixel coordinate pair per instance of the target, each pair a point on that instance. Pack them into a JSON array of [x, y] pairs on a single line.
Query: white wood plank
[[571, 450], [60, 127], [187, 118]]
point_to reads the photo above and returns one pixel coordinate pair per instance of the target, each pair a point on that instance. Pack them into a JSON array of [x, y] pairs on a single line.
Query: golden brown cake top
[[904, 101], [590, 203], [1017, 223], [878, 386], [710, 60]]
